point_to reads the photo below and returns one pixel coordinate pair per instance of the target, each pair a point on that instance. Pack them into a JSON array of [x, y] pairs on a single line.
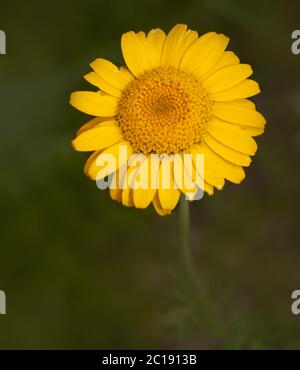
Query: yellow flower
[[179, 94]]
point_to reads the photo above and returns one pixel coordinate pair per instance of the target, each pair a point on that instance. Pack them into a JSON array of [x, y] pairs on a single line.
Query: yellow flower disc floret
[[164, 110]]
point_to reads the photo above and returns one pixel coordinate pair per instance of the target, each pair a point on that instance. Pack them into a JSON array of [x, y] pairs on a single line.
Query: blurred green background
[[81, 271]]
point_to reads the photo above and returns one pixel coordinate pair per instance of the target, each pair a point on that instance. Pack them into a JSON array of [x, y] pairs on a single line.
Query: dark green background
[[81, 271]]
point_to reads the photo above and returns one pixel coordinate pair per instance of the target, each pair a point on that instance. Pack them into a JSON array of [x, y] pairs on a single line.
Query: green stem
[[184, 224], [209, 316]]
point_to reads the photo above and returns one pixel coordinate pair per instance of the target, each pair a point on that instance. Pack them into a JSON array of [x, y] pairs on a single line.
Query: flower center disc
[[164, 110]]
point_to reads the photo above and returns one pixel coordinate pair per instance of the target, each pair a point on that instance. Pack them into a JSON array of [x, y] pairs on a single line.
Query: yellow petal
[[211, 173], [201, 57], [157, 206], [204, 185], [135, 51], [93, 79], [98, 122], [114, 77], [94, 103], [120, 151], [197, 177], [209, 189], [229, 170], [97, 81], [201, 183], [127, 192], [108, 123], [168, 198], [228, 58], [127, 197], [91, 163], [155, 41], [252, 131], [92, 123], [232, 137], [189, 61], [115, 192], [177, 42], [238, 113], [227, 77], [97, 138], [183, 175], [224, 151], [142, 197], [168, 195], [245, 103], [244, 89]]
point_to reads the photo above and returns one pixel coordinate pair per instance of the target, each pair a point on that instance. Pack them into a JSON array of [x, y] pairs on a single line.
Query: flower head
[[179, 94]]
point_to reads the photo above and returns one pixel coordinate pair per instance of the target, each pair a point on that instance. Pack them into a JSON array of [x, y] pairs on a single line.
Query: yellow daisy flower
[[179, 94]]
